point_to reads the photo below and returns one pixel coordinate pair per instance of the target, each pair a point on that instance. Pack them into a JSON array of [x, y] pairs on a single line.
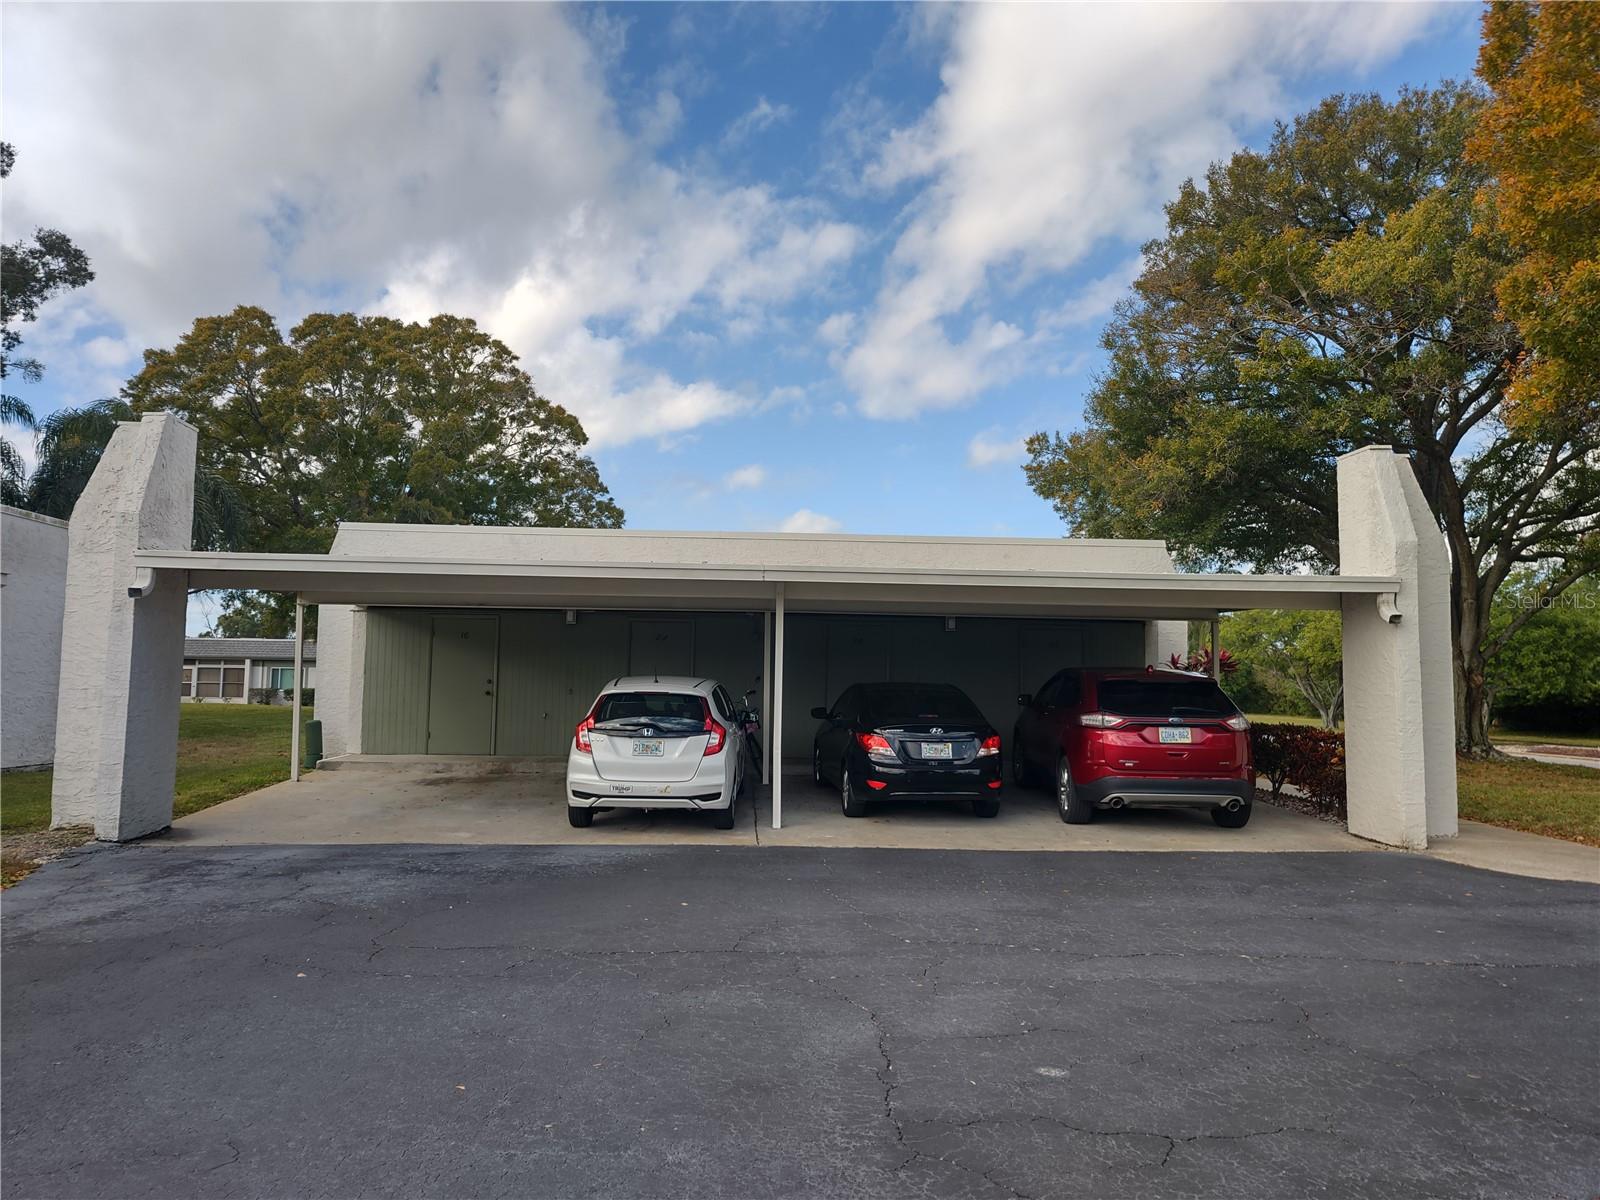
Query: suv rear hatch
[[649, 737], [1168, 727]]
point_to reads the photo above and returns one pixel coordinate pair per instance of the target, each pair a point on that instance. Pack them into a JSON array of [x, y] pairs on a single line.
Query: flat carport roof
[[1136, 595]]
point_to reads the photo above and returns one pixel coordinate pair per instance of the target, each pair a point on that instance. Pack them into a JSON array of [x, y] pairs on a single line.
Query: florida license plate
[[648, 747], [1182, 736], [936, 750]]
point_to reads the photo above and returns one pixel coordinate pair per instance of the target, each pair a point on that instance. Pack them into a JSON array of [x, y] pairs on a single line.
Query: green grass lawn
[[1557, 801], [1546, 739], [224, 750]]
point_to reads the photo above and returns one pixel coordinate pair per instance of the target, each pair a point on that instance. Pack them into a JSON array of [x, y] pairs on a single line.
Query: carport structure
[[382, 586]]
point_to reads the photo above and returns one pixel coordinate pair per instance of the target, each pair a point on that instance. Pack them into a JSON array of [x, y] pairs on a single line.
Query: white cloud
[[471, 161], [836, 329], [1094, 299], [991, 448], [1061, 126], [763, 116], [745, 478], [805, 521]]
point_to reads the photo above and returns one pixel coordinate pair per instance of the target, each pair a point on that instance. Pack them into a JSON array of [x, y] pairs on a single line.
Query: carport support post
[[122, 635], [776, 736], [1400, 764], [766, 697], [299, 666], [1216, 664]]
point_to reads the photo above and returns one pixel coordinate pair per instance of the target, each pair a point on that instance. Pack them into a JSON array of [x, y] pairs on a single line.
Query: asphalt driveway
[[699, 1021]]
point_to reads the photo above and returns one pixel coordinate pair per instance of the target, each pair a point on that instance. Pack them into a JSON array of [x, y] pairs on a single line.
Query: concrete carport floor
[[461, 801]]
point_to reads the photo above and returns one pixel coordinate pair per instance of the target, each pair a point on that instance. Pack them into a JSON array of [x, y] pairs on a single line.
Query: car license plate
[[1177, 735], [935, 749], [648, 747]]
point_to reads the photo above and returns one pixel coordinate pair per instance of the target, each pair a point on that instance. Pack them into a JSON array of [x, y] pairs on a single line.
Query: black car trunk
[[932, 744]]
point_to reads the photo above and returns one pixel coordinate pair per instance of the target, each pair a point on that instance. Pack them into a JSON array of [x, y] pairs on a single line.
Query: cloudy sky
[[794, 267]]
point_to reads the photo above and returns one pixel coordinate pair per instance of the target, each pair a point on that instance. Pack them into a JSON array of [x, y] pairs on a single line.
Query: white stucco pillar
[[1163, 639], [1399, 710], [341, 677], [121, 654]]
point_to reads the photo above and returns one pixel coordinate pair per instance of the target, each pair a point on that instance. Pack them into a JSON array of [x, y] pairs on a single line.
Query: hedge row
[[1310, 758]]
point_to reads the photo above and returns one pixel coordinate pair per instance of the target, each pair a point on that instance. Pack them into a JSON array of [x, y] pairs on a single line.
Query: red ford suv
[[1135, 739]]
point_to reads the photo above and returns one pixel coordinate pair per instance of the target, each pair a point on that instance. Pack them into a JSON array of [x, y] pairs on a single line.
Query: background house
[[237, 670], [33, 591]]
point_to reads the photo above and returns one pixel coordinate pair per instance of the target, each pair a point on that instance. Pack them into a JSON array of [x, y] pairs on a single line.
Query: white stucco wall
[[495, 544], [33, 592], [1399, 715], [341, 655], [117, 716]]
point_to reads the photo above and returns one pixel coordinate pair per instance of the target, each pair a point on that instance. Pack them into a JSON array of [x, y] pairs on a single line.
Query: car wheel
[[986, 806], [816, 765], [579, 818], [722, 818], [1237, 819], [853, 805], [1074, 809]]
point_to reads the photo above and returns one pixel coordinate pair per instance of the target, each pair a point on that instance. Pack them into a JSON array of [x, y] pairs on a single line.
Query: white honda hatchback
[[658, 742]]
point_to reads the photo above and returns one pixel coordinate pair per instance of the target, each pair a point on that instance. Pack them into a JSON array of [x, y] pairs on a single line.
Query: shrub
[[1312, 759]]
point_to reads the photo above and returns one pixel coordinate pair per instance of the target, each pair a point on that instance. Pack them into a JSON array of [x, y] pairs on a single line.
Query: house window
[[223, 681], [281, 678], [188, 681]]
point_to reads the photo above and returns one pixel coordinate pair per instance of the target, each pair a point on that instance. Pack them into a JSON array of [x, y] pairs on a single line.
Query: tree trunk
[[1472, 705]]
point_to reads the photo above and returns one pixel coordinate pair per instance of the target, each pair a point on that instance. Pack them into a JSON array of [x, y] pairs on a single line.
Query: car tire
[[1232, 820], [816, 766], [579, 818], [722, 818], [986, 806], [853, 805], [1074, 809]]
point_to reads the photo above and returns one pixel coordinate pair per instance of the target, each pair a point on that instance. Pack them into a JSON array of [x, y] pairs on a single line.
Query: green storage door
[[461, 685]]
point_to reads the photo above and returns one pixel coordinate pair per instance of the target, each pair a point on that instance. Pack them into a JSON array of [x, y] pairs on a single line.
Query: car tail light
[[582, 739], [991, 745], [719, 737], [876, 785], [1238, 722], [1100, 721], [995, 784], [876, 745]]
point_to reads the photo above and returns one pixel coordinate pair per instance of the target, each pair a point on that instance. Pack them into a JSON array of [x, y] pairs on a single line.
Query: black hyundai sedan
[[906, 739]]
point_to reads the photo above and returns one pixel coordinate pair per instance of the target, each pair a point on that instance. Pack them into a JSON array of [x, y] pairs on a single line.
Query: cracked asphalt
[[571, 1021]]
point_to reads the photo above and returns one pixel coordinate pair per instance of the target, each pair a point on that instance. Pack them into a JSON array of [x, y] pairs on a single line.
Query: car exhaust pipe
[[1234, 805], [1117, 802]]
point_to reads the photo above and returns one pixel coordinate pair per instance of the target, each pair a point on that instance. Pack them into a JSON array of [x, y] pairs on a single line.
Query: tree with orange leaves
[[1540, 139]]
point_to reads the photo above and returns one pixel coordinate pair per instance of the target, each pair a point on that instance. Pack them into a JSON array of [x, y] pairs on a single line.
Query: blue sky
[[794, 267]]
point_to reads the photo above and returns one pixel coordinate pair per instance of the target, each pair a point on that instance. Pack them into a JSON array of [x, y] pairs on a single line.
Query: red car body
[[1135, 739]]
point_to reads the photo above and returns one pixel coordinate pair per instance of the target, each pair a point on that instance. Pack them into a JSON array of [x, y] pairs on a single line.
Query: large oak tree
[[1334, 291], [348, 418]]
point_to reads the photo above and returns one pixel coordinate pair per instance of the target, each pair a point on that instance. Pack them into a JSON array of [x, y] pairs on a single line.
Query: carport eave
[[331, 579]]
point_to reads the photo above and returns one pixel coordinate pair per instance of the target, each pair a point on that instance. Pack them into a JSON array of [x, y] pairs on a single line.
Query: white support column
[[1398, 689], [776, 736], [766, 697], [299, 669], [122, 635]]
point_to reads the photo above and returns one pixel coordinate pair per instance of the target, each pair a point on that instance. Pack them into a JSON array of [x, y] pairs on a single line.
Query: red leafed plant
[[1200, 660]]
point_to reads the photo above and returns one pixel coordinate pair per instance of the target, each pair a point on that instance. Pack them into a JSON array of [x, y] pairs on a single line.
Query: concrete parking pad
[[689, 1021], [521, 802]]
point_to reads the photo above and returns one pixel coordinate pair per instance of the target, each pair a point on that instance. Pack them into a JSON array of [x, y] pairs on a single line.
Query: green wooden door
[[461, 685]]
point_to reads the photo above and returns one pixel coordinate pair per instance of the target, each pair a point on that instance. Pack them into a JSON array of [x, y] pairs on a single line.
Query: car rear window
[[1164, 698], [897, 704], [660, 707]]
